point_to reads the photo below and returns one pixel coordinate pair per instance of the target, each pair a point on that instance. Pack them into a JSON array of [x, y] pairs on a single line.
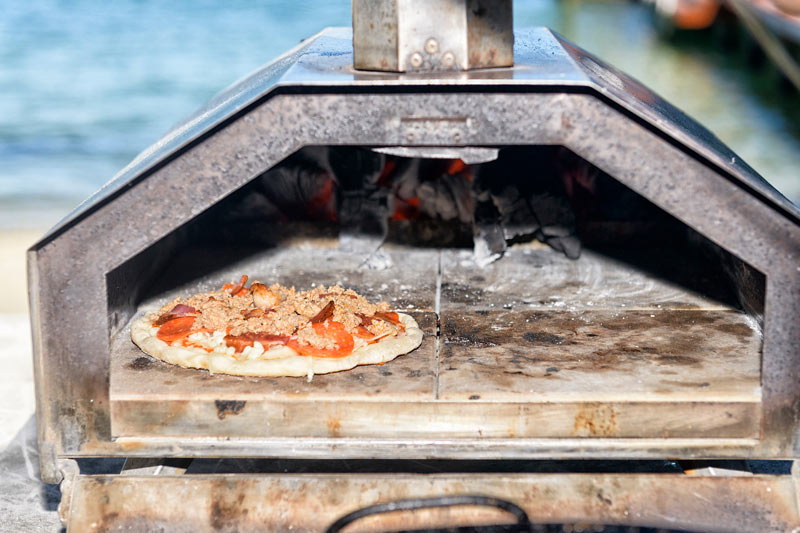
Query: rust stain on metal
[[128, 445], [596, 421], [228, 407], [273, 503], [227, 513], [334, 425]]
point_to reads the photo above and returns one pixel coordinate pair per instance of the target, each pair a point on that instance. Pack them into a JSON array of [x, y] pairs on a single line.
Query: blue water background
[[85, 86]]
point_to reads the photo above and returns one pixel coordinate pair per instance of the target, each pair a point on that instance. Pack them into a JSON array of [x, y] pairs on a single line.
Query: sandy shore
[[16, 380], [25, 503], [13, 285]]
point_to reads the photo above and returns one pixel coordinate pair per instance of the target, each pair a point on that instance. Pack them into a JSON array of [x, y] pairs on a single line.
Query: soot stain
[[699, 384], [682, 360], [535, 316], [140, 363], [521, 373], [461, 293], [229, 407], [684, 318], [520, 360], [740, 330], [475, 361], [540, 337], [466, 332], [567, 286], [226, 514], [469, 340]]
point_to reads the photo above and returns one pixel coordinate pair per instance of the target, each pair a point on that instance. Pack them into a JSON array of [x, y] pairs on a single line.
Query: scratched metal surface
[[543, 60], [313, 502], [69, 275]]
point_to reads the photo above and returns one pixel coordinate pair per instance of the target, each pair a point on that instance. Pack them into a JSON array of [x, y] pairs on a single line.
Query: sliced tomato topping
[[238, 289], [177, 311], [186, 342], [175, 329], [240, 342], [363, 332], [332, 330], [391, 316]]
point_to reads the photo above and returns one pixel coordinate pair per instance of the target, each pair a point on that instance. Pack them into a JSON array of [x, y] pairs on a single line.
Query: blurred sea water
[[85, 86]]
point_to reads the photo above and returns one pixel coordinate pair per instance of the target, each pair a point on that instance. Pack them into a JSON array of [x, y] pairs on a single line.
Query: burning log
[[364, 205], [557, 223], [302, 186], [364, 190], [511, 206], [489, 240]]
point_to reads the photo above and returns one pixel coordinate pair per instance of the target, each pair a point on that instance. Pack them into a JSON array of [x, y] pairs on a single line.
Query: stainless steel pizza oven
[[598, 277]]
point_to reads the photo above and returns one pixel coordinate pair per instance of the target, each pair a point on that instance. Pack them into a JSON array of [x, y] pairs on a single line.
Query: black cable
[[427, 503]]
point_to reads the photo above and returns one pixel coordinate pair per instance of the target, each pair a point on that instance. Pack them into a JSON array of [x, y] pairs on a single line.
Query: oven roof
[[544, 62]]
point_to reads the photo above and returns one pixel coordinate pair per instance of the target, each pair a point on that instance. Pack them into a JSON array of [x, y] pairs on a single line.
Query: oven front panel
[[78, 394]]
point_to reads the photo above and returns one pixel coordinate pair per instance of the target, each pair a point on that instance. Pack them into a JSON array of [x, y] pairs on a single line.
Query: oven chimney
[[435, 35]]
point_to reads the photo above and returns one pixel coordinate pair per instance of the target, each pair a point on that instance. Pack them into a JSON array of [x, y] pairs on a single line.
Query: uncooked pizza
[[275, 331]]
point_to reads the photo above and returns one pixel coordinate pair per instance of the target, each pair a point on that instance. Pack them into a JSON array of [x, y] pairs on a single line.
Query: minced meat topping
[[282, 311]]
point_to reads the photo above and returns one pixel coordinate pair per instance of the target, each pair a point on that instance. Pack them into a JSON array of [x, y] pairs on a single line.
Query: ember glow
[[408, 207], [545, 193], [323, 204]]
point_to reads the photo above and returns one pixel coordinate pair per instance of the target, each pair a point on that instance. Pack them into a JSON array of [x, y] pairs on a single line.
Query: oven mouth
[[111, 466], [555, 301]]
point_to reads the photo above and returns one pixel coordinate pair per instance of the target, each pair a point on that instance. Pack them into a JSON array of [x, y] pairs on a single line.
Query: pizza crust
[[283, 361]]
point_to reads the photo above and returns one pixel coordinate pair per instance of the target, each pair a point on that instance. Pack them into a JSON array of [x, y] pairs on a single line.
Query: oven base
[[311, 502]]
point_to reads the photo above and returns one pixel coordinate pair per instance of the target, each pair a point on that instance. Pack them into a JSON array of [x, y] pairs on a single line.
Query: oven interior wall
[[360, 200], [555, 301], [128, 284]]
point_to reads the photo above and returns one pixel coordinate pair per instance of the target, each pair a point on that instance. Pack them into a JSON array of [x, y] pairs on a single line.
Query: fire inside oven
[[555, 302]]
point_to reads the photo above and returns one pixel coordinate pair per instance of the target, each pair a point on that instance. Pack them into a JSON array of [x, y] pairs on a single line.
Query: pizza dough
[[208, 350], [283, 361]]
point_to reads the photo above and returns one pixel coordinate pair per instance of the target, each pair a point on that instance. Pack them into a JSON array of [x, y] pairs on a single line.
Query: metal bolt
[[431, 46], [416, 59], [448, 59], [456, 136], [410, 137]]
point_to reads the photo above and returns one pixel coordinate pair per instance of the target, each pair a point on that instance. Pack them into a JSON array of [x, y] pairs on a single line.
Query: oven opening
[[556, 303]]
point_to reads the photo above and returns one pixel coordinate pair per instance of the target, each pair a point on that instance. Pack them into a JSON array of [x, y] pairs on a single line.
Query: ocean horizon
[[86, 86]]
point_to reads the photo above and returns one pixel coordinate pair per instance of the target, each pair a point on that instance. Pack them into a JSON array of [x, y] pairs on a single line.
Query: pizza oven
[[597, 277]]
